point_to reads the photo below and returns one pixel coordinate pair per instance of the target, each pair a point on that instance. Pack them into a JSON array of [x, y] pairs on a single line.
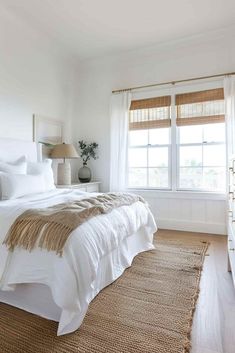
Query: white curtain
[[229, 95], [120, 104]]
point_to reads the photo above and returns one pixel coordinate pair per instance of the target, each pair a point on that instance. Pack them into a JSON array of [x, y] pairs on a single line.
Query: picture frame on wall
[[46, 133]]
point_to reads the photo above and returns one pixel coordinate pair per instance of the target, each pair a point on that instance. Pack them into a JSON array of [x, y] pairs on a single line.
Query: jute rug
[[148, 310]]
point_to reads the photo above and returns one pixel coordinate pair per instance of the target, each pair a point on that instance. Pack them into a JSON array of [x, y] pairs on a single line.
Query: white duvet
[[72, 278]]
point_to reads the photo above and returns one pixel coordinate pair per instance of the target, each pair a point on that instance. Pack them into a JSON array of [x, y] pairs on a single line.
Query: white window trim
[[178, 164], [149, 146], [174, 143], [180, 194]]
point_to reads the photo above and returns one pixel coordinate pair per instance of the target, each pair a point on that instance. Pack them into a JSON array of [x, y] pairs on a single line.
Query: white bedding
[[72, 278]]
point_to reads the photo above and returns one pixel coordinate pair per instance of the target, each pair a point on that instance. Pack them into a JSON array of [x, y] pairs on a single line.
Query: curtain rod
[[172, 82]]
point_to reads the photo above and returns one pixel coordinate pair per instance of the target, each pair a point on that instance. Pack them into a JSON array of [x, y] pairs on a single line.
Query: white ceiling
[[89, 28]]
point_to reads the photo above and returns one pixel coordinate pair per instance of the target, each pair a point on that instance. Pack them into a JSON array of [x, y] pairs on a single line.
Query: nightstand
[[92, 186]]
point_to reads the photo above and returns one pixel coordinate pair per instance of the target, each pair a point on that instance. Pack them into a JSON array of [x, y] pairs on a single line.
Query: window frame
[[174, 146], [149, 146], [203, 143]]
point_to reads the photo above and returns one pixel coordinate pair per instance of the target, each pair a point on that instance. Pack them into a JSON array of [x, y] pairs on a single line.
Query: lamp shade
[[64, 150]]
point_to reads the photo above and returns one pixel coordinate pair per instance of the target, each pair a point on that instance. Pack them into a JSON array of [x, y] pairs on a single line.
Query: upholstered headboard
[[11, 150]]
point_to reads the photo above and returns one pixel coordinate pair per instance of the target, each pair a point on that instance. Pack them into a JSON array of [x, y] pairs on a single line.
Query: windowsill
[[180, 194]]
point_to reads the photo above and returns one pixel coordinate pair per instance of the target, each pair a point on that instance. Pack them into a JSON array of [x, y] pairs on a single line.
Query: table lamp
[[65, 151]]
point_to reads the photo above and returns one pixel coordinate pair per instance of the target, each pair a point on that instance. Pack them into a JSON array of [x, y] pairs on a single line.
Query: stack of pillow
[[24, 178]]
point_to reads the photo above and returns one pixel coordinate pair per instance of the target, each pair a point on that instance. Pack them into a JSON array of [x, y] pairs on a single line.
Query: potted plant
[[87, 151]]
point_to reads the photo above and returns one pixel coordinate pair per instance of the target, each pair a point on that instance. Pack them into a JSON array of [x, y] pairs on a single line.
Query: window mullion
[[174, 166], [203, 139], [148, 157]]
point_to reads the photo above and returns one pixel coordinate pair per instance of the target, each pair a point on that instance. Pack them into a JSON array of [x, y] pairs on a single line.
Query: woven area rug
[[149, 309]]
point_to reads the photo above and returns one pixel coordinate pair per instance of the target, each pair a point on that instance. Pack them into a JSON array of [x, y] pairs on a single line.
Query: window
[[201, 131], [199, 128], [149, 142]]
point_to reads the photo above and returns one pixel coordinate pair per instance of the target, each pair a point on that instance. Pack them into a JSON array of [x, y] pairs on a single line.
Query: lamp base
[[64, 173]]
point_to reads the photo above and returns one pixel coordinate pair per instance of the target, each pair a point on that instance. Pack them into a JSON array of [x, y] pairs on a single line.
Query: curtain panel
[[229, 95], [119, 124]]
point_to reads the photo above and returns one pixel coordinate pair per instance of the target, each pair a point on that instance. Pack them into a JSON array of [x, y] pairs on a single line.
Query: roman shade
[[150, 113], [202, 107]]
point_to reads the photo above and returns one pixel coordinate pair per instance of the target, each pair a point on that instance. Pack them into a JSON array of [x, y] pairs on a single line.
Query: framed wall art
[[47, 132]]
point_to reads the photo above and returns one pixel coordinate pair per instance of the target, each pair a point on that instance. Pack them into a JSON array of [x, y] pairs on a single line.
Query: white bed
[[96, 253]]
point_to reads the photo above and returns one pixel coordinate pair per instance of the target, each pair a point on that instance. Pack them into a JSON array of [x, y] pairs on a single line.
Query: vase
[[84, 174]]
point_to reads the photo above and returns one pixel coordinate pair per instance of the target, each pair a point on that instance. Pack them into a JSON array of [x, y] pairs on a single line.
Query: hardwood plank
[[214, 320]]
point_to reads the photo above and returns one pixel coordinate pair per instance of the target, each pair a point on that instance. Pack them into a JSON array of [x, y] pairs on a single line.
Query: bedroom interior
[[117, 175]]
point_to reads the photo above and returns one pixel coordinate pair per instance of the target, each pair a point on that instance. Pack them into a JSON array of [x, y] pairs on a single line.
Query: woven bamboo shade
[[148, 103], [203, 107], [201, 96], [150, 113]]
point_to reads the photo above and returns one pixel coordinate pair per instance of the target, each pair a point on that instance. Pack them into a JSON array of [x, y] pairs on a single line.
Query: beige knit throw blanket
[[49, 228]]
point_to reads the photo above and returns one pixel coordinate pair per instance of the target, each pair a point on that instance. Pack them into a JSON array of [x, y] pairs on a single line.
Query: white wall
[[198, 56], [34, 78], [190, 212]]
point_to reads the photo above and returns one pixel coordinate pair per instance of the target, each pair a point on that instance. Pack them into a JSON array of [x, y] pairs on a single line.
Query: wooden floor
[[214, 319]]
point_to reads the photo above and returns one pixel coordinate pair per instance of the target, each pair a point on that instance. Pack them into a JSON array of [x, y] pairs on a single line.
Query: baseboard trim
[[211, 228]]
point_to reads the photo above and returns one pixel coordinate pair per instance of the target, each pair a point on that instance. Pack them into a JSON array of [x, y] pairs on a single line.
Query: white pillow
[[18, 185], [45, 169], [18, 167]]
